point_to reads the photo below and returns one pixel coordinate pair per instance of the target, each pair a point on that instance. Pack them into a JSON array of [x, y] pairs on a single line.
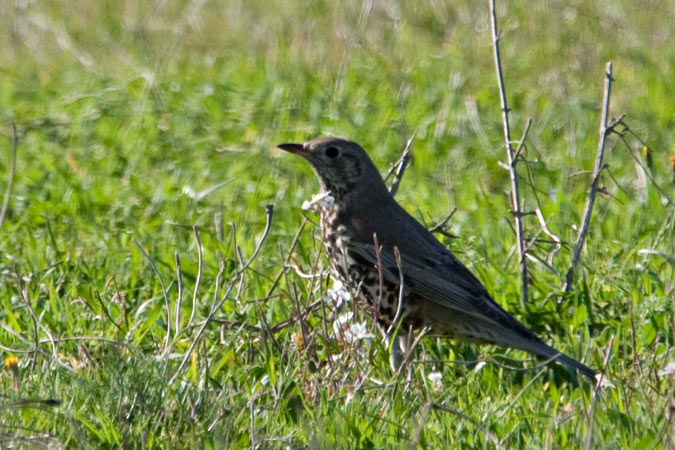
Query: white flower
[[356, 332], [338, 294], [321, 201], [351, 333], [342, 322], [668, 371], [436, 378]]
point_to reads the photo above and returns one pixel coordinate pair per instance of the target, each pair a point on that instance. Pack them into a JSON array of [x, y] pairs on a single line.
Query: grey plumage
[[439, 291]]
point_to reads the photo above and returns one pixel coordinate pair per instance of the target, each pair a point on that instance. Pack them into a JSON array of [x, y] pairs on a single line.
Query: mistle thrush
[[439, 292]]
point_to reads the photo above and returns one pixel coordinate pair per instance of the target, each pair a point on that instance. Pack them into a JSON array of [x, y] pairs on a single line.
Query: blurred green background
[[142, 119]]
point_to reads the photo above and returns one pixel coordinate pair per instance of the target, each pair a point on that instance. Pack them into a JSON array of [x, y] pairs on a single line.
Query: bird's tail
[[540, 348]]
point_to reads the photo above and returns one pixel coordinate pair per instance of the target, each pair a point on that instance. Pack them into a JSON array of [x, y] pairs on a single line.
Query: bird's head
[[343, 167]]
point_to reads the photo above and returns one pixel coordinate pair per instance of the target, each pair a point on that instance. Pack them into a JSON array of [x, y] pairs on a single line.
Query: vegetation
[[138, 120]]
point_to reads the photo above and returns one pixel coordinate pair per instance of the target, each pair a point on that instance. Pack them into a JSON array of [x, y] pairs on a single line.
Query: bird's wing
[[438, 277]]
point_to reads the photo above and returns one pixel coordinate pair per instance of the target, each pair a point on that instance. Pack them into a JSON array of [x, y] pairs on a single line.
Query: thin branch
[[397, 317], [556, 239], [238, 277], [521, 143], [440, 226], [379, 277], [12, 172], [599, 384], [37, 323], [515, 195], [400, 165], [648, 173], [597, 170], [166, 297], [199, 275], [179, 275]]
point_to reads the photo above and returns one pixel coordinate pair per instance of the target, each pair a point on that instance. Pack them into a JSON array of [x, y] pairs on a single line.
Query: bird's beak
[[296, 149]]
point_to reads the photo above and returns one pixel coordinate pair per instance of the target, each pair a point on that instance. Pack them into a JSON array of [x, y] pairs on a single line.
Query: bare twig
[[440, 226], [555, 238], [598, 384], [166, 297], [284, 267], [648, 173], [515, 195], [379, 276], [397, 317], [400, 165], [410, 348], [199, 275], [37, 323], [238, 277], [104, 309], [597, 170], [288, 322], [521, 142], [179, 275], [12, 172], [391, 337]]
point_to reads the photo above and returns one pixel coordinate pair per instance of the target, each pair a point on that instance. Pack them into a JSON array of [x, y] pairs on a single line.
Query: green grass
[[127, 111]]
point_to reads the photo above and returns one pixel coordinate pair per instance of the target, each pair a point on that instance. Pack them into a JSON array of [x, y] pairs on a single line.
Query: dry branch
[[238, 278], [597, 170], [512, 160], [399, 168], [164, 292], [199, 274]]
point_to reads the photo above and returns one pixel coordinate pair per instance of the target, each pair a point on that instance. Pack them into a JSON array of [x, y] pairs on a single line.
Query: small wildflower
[[341, 323], [298, 341], [119, 298], [12, 362], [338, 294], [356, 332], [74, 362], [436, 378], [668, 371]]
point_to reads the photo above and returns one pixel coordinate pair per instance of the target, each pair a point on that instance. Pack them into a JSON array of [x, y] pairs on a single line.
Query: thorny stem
[[597, 170], [515, 195]]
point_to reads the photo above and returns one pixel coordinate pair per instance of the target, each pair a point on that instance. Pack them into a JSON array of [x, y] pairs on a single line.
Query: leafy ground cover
[[137, 121]]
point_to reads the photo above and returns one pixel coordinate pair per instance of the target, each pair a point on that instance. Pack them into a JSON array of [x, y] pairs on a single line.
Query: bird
[[378, 250]]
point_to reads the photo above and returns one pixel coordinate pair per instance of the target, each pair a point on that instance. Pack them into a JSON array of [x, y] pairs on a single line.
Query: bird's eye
[[332, 152]]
